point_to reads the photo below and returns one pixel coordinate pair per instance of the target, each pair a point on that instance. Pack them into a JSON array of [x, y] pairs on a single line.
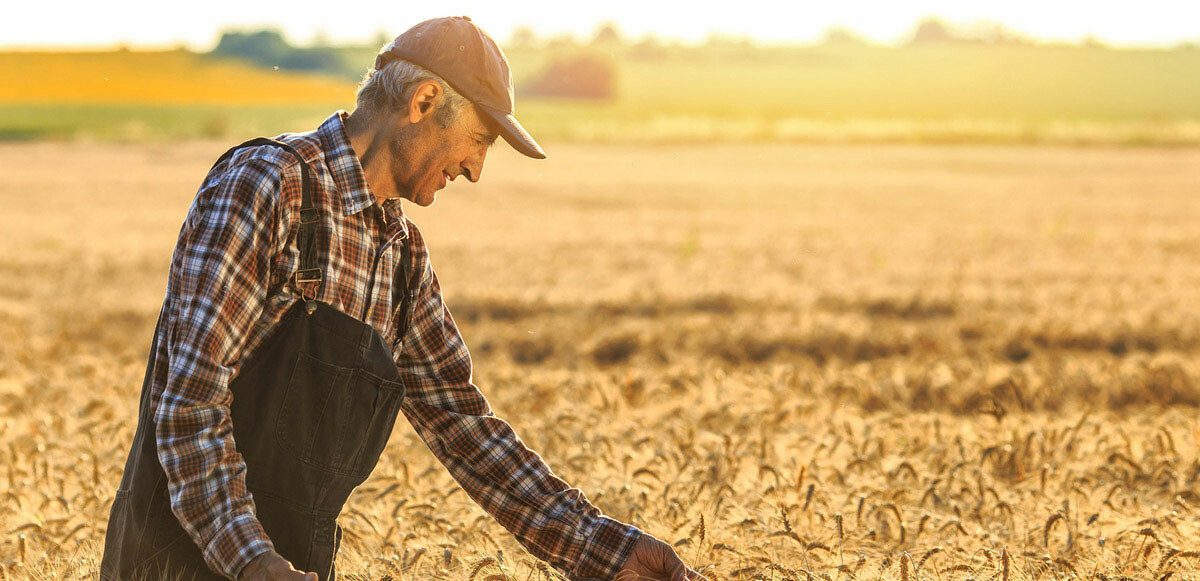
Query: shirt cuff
[[605, 552], [237, 542]]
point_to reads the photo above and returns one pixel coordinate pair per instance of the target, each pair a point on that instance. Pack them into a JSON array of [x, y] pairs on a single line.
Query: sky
[[197, 25]]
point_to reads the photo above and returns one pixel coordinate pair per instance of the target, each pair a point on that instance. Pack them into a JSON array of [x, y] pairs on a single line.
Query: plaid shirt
[[228, 285]]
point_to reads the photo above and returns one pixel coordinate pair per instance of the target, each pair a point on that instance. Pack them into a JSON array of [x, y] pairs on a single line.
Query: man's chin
[[426, 201]]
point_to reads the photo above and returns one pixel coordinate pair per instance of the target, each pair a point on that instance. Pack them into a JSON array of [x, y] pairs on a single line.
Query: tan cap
[[462, 54]]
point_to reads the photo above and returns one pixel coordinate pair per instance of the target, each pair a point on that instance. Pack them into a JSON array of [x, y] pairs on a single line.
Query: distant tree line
[[569, 74], [268, 48], [587, 68]]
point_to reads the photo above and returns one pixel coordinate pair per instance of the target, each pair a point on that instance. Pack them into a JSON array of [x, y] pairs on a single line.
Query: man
[[303, 314]]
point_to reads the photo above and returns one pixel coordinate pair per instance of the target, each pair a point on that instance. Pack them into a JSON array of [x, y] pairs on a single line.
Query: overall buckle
[[309, 215], [308, 275]]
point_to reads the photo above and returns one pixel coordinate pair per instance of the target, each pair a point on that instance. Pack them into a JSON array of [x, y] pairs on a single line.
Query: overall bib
[[313, 407]]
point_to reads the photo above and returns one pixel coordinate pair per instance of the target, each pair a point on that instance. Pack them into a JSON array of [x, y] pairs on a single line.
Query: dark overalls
[[313, 407]]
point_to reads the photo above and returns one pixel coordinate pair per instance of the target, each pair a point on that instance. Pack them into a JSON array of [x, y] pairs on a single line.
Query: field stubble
[[791, 362]]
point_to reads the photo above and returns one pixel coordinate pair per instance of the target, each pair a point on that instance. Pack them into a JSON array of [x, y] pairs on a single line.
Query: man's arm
[[553, 521], [217, 286]]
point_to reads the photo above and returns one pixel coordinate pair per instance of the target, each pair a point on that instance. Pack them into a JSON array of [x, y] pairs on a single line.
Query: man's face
[[436, 154]]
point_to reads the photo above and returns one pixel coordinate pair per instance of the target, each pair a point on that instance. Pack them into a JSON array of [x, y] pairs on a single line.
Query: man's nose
[[472, 171]]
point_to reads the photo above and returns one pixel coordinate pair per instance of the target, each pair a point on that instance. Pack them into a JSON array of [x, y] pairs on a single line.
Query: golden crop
[[175, 77], [790, 362]]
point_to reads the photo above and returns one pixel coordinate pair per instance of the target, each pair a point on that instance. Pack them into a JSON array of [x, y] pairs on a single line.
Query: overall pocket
[[337, 419]]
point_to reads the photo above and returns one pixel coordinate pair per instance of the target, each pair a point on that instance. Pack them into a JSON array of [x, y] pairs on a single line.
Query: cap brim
[[514, 133]]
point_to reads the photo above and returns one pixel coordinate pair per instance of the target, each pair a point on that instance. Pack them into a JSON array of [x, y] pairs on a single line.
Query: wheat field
[[788, 361]]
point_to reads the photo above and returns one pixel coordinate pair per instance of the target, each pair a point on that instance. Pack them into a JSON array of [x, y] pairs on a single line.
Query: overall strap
[[309, 269]]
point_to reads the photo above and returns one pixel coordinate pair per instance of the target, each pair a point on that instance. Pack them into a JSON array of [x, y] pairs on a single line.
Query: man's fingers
[[306, 576], [679, 571], [294, 573]]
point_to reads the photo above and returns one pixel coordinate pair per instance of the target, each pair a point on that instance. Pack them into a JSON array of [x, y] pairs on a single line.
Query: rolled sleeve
[[237, 542], [607, 548]]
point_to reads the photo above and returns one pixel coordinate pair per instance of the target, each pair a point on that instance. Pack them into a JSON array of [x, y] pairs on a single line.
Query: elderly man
[[303, 314]]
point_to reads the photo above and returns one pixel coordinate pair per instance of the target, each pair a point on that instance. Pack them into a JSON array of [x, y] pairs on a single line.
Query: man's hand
[[654, 560], [271, 566]]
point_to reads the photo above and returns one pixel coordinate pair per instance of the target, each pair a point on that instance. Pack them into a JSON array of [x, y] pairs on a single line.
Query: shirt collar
[[348, 173]]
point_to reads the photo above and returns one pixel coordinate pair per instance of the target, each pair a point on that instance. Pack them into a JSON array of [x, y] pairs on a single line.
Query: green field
[[138, 122]]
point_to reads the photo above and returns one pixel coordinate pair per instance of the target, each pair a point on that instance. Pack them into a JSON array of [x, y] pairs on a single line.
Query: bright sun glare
[[146, 23]]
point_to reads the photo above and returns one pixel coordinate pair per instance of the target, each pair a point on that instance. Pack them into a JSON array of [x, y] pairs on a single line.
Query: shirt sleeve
[[217, 286], [553, 521]]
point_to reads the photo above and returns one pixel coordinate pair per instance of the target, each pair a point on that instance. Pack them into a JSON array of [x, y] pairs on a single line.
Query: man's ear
[[424, 100]]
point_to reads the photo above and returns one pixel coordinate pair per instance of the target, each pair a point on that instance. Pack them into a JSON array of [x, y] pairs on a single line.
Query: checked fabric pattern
[[229, 284]]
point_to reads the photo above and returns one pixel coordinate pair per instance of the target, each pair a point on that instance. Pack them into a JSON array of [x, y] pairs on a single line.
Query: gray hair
[[391, 88]]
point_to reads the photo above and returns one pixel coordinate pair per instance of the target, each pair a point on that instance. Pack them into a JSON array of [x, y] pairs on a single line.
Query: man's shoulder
[[269, 169], [273, 157]]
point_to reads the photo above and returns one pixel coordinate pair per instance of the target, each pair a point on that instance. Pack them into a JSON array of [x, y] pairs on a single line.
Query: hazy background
[[1024, 72]]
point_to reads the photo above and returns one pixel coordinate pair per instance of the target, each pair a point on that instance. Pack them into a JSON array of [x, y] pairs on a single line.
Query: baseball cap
[[463, 55]]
